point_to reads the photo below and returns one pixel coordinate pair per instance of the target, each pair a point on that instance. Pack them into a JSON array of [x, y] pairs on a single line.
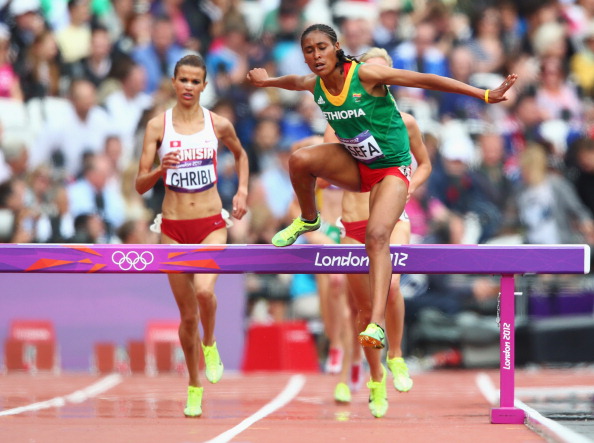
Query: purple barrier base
[[507, 416]]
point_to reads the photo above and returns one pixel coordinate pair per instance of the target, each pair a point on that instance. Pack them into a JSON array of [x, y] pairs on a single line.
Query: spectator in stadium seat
[[160, 55], [83, 128], [26, 24], [42, 70], [549, 209], [486, 43], [420, 54], [126, 107], [9, 81], [94, 193], [462, 64], [97, 65], [74, 40], [582, 63]]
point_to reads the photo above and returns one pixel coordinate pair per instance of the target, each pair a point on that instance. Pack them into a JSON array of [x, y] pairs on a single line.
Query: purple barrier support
[[507, 412]]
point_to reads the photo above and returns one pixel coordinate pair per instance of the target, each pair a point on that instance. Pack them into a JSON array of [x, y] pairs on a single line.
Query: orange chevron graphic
[[207, 249], [96, 267], [85, 260], [86, 250], [43, 263], [209, 263]]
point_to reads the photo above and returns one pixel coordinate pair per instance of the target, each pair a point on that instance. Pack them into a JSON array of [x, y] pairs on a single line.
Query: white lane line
[[294, 386], [487, 388], [546, 426], [78, 396], [534, 419]]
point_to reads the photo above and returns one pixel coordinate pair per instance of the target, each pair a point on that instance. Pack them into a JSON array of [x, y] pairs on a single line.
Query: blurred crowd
[[80, 78]]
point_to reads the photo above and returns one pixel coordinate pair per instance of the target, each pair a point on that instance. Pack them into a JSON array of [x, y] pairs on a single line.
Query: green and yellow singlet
[[371, 128]]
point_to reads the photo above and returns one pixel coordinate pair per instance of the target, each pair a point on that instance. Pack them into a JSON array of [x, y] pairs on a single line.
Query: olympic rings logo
[[132, 259]]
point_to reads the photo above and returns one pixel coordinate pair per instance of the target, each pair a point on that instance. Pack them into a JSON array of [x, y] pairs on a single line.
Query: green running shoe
[[194, 403], [289, 235], [378, 396], [373, 337], [342, 393], [399, 370], [213, 363]]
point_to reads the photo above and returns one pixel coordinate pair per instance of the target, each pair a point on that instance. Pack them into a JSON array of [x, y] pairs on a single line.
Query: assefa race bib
[[363, 147]]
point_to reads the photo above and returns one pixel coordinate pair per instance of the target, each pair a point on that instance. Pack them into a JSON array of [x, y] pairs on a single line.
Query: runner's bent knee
[[329, 161]]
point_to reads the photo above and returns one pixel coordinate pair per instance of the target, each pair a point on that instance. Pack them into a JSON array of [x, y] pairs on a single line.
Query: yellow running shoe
[[342, 393], [289, 235], [373, 336], [378, 396], [399, 370], [194, 403], [213, 363]]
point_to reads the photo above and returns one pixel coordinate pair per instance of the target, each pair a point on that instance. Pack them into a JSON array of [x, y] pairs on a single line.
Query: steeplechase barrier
[[505, 261]]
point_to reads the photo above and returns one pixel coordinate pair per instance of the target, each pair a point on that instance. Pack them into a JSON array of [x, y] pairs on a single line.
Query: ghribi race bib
[[192, 176], [363, 147]]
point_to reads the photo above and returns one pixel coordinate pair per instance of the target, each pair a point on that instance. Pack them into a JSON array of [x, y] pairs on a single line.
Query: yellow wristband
[[487, 95]]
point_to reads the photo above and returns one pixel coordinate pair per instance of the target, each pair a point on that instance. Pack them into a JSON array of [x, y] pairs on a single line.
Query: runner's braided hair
[[325, 29]]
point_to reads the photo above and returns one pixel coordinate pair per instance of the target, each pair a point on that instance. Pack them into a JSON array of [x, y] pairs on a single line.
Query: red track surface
[[443, 406]]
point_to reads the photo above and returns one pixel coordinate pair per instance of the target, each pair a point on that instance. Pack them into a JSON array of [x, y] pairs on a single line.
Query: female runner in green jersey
[[373, 155]]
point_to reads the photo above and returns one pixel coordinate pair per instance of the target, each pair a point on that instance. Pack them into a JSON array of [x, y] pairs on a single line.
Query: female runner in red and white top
[[186, 138]]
